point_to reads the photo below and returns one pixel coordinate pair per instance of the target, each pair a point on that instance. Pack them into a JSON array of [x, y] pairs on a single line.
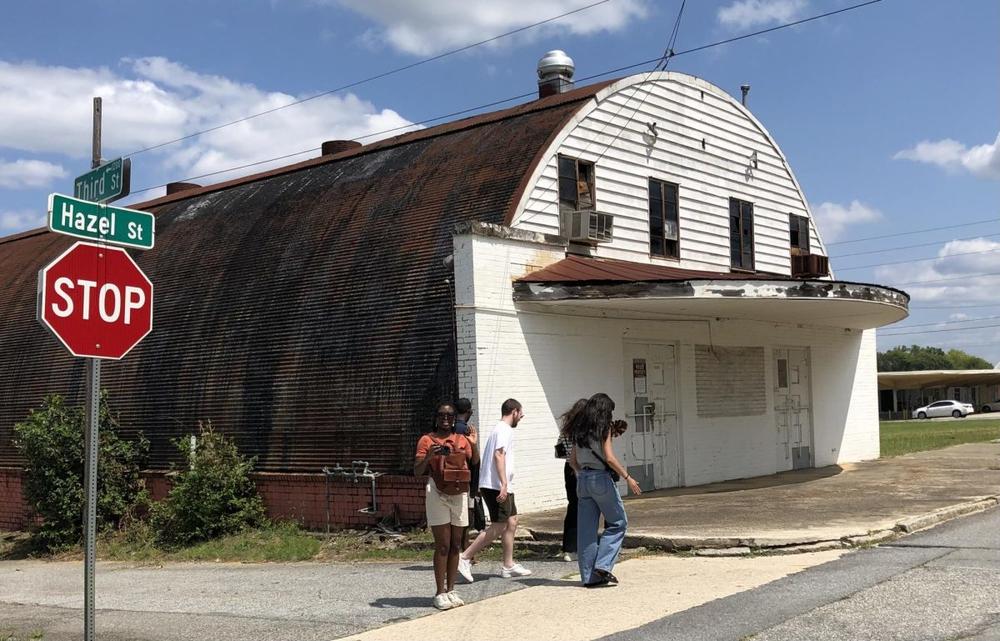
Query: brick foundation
[[297, 497]]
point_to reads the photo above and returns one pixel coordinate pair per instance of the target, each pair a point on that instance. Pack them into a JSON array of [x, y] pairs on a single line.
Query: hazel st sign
[[95, 221], [106, 183], [96, 301]]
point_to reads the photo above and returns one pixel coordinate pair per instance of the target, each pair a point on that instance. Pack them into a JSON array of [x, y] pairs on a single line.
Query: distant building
[[643, 237], [902, 392]]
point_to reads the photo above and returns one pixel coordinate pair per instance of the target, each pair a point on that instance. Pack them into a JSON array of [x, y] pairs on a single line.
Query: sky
[[889, 114]]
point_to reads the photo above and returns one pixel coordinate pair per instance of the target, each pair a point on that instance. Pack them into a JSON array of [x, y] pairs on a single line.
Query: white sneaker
[[456, 600], [442, 602], [569, 557], [515, 570], [465, 569]]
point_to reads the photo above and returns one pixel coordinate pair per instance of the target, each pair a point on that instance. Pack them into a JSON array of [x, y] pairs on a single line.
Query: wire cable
[[947, 322], [918, 260], [494, 103], [379, 76], [938, 331], [901, 247], [909, 233]]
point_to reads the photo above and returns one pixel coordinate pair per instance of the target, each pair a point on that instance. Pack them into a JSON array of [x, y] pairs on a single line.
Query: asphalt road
[[940, 584]]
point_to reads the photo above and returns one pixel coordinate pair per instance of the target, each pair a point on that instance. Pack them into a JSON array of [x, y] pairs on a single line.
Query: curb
[[742, 546]]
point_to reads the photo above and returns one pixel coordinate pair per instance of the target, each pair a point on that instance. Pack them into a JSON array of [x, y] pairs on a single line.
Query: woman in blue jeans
[[594, 461]]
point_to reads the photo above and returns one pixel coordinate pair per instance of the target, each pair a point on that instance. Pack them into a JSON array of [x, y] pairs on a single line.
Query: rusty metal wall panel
[[306, 313]]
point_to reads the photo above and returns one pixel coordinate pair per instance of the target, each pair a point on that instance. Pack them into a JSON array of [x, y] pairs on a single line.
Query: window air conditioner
[[589, 226], [810, 266]]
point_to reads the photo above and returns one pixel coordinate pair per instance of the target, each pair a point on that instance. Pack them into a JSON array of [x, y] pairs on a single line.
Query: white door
[[651, 445], [793, 408]]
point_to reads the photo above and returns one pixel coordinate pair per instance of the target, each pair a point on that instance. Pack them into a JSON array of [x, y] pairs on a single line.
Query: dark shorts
[[499, 512]]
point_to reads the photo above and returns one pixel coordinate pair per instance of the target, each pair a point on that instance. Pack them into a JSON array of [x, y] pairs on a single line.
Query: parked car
[[991, 407], [944, 408]]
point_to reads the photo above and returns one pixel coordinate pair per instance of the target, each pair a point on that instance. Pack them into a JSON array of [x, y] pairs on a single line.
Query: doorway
[[793, 408], [652, 443]]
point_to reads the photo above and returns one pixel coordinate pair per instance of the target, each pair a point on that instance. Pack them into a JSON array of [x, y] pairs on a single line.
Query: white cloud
[[426, 28], [960, 263], [25, 174], [745, 14], [48, 110], [982, 161], [833, 218], [19, 220]]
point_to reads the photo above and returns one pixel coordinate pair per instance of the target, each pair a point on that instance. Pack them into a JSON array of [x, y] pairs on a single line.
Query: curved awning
[[590, 286]]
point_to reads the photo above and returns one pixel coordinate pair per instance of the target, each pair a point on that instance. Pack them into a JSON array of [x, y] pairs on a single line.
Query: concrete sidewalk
[[809, 510]]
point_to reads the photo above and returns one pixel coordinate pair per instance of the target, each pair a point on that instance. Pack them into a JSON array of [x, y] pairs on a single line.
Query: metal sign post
[[93, 427]]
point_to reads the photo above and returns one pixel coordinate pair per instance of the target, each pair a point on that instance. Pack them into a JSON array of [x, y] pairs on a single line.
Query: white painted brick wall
[[547, 361]]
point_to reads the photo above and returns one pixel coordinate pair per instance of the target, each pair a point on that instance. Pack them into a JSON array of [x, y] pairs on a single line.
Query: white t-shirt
[[501, 438]]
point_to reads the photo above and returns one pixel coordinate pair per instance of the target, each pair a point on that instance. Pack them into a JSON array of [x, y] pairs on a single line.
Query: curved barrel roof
[[307, 310]]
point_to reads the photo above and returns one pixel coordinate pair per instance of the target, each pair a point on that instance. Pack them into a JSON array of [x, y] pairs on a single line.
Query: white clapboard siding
[[612, 132]]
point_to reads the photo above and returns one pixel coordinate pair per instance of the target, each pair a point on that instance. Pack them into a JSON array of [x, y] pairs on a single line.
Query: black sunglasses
[[446, 415]]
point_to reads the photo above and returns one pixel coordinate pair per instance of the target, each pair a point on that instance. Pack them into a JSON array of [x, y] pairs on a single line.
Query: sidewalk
[[808, 510], [800, 511]]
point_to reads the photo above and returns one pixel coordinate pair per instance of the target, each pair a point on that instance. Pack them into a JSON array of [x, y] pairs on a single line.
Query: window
[[576, 185], [663, 227], [741, 233], [798, 231]]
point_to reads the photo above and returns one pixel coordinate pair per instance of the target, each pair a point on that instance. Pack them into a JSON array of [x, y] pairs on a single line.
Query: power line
[[910, 233], [490, 104], [942, 280], [948, 322], [660, 66], [370, 78], [918, 260], [956, 306], [931, 244], [938, 331]]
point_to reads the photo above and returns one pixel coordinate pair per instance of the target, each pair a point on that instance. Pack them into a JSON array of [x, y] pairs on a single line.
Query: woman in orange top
[[444, 456]]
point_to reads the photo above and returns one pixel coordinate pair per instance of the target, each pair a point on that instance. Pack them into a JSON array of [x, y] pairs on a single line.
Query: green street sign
[[107, 183], [96, 221]]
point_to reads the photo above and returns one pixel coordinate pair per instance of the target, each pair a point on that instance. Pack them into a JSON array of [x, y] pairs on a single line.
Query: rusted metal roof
[[605, 270], [305, 310]]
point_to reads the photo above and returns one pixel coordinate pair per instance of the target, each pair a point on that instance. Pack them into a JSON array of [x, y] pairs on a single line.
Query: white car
[[944, 408], [991, 407]]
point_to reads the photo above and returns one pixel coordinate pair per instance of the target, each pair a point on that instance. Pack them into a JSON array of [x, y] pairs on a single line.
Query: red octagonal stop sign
[[96, 300]]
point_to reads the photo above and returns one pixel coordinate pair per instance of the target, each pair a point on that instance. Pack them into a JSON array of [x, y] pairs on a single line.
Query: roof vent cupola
[[555, 73]]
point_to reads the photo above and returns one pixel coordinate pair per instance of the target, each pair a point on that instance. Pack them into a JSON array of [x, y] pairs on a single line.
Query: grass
[[11, 635], [903, 437]]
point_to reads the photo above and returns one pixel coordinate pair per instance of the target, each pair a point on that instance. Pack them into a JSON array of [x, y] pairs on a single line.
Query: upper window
[[741, 233], [576, 184], [663, 227], [798, 231]]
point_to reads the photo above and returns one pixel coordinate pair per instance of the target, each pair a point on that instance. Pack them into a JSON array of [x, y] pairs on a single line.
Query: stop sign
[[96, 300]]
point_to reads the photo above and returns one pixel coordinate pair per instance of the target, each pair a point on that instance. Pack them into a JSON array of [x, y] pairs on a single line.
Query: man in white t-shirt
[[496, 485]]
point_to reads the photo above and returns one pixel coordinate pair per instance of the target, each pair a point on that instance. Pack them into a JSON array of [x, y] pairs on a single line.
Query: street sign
[[107, 183], [96, 301], [94, 221]]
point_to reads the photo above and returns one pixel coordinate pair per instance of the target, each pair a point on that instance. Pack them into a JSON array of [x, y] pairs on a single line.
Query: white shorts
[[443, 509]]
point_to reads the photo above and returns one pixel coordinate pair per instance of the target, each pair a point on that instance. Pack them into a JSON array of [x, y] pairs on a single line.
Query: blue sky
[[888, 114]]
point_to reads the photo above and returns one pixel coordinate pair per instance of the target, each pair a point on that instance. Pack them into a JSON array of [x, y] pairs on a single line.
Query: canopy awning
[[929, 379], [579, 285]]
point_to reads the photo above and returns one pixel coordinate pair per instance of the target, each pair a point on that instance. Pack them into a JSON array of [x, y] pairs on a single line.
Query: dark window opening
[[664, 232], [576, 185], [798, 231], [741, 234]]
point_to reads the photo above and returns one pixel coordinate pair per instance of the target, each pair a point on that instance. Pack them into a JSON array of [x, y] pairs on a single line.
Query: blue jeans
[[597, 495]]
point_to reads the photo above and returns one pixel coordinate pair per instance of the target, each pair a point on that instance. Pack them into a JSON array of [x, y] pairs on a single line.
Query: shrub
[[51, 442], [213, 496]]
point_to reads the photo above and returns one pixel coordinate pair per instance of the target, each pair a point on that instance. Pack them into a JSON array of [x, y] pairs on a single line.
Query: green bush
[[51, 442], [212, 497]]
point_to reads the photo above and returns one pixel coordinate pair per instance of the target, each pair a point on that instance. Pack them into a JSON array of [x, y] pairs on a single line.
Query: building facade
[[643, 237]]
